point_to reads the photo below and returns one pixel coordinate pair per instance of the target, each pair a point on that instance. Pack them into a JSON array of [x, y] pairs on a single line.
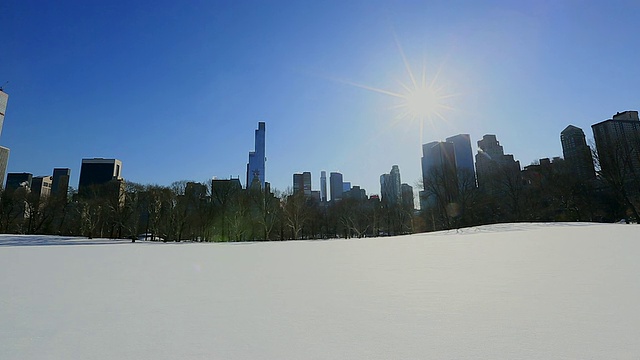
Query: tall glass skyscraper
[[335, 181], [257, 158], [464, 157]]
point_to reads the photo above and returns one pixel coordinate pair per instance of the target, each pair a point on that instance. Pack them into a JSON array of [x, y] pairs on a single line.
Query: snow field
[[510, 291]]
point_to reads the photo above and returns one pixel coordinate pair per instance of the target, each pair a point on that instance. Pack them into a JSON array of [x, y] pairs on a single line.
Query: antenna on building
[[2, 87]]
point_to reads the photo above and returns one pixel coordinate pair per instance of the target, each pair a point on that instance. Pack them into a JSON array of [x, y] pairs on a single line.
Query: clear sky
[[176, 89]]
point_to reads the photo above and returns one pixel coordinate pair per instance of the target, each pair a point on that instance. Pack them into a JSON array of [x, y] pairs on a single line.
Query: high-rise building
[[298, 183], [576, 152], [439, 174], [491, 162], [407, 196], [464, 157], [4, 161], [60, 184], [336, 185], [18, 180], [98, 171], [618, 144], [302, 183], [346, 186], [355, 193], [41, 186], [323, 186], [257, 158], [306, 183], [224, 191], [390, 187]]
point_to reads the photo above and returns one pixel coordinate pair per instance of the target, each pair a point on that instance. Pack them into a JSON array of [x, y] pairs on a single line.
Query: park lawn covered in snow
[[509, 291]]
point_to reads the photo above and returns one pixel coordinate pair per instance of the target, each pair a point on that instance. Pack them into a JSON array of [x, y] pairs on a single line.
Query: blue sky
[[176, 89]]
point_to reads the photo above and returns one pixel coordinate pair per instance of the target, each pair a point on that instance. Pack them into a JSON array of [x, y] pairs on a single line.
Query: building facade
[[41, 186], [439, 176], [18, 180], [492, 163], [577, 154], [4, 162], [257, 158], [323, 186], [60, 183], [101, 178], [464, 157], [336, 186], [302, 183], [4, 98], [390, 187], [618, 144], [407, 197]]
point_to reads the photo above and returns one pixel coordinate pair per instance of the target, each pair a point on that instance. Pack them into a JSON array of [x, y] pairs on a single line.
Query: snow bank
[[514, 291]]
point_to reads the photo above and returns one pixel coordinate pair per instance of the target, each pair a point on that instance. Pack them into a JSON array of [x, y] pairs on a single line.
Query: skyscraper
[[302, 183], [18, 180], [323, 186], [335, 181], [390, 187], [618, 144], [99, 171], [491, 161], [257, 158], [60, 183], [439, 174], [407, 197], [41, 186], [577, 153], [464, 157]]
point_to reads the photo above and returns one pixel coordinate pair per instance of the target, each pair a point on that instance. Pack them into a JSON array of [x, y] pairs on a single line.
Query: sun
[[421, 99]]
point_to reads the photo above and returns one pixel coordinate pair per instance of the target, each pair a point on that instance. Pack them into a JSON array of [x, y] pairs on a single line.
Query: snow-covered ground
[[514, 291]]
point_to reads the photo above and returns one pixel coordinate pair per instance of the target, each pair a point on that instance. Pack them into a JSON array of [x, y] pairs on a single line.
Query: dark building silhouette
[[407, 196], [223, 191], [390, 187], [41, 186], [18, 180], [355, 193], [257, 158], [323, 186], [101, 178], [302, 183], [336, 184], [542, 174], [577, 154], [464, 156], [439, 174], [60, 183], [618, 143], [492, 163]]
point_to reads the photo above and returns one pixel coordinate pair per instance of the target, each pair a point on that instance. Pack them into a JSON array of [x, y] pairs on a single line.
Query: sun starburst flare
[[420, 99]]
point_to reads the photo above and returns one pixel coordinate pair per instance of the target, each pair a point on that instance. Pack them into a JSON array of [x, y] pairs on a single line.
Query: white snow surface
[[509, 291]]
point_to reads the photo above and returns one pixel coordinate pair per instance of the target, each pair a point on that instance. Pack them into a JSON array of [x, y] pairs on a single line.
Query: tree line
[[221, 210], [194, 211]]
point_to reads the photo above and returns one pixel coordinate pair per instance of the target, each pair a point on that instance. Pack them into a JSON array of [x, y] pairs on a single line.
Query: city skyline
[[167, 84]]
